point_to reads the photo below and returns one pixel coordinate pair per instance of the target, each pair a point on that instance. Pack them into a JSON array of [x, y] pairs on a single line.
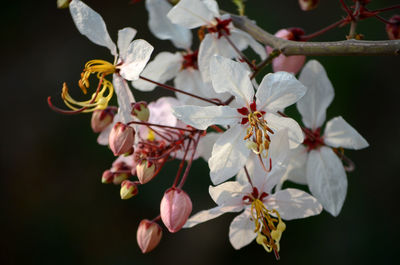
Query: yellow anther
[[150, 135], [276, 235], [263, 241], [268, 226], [259, 129], [281, 226], [103, 93]]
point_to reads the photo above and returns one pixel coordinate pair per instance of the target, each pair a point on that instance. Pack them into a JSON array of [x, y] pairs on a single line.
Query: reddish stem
[[156, 218], [190, 162], [386, 8], [242, 56], [347, 9], [159, 125], [178, 174], [248, 176], [179, 91], [322, 31]]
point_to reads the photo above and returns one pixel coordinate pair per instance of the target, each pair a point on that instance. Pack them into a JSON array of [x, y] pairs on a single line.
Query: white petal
[[241, 230], [190, 80], [338, 133], [91, 24], [296, 169], [161, 111], [293, 204], [102, 139], [230, 76], [278, 91], [277, 123], [202, 117], [137, 56], [125, 37], [278, 157], [210, 46], [327, 179], [206, 144], [229, 155], [207, 215], [190, 14], [318, 97], [212, 5], [163, 28], [164, 67], [124, 98], [228, 193], [242, 40], [279, 147]]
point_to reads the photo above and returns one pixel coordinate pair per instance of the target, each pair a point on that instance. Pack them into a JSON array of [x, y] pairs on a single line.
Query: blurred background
[[54, 209]]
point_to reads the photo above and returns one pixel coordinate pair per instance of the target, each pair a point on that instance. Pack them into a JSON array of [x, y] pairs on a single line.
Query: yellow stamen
[[103, 93], [150, 135], [268, 226], [259, 129]]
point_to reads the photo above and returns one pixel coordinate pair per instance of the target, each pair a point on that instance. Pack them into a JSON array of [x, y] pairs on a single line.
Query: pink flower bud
[[128, 189], [141, 111], [119, 178], [175, 209], [291, 64], [145, 171], [307, 5], [393, 30], [121, 139], [101, 119], [148, 235], [107, 177]]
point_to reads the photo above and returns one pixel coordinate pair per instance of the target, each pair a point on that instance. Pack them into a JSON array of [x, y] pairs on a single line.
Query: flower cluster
[[220, 114]]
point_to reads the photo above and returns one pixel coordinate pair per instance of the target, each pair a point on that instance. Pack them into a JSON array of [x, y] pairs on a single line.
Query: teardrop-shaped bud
[[307, 5], [63, 3], [145, 171], [107, 177], [128, 189], [119, 177], [148, 235], [393, 29], [121, 139], [140, 111], [101, 119], [175, 209], [291, 64]]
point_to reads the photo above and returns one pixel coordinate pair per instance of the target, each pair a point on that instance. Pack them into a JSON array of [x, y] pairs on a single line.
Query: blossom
[[128, 63], [181, 66], [316, 163], [263, 210], [255, 119], [205, 13], [163, 28]]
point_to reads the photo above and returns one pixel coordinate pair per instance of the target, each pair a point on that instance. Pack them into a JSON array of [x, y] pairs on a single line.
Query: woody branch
[[332, 48]]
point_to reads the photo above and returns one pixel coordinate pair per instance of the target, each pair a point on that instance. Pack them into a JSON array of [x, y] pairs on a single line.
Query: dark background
[[54, 209]]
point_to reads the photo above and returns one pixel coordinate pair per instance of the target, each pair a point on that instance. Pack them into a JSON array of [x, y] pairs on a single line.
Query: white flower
[[316, 163], [163, 28], [132, 58], [255, 120], [197, 13], [133, 55], [180, 66], [258, 203]]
